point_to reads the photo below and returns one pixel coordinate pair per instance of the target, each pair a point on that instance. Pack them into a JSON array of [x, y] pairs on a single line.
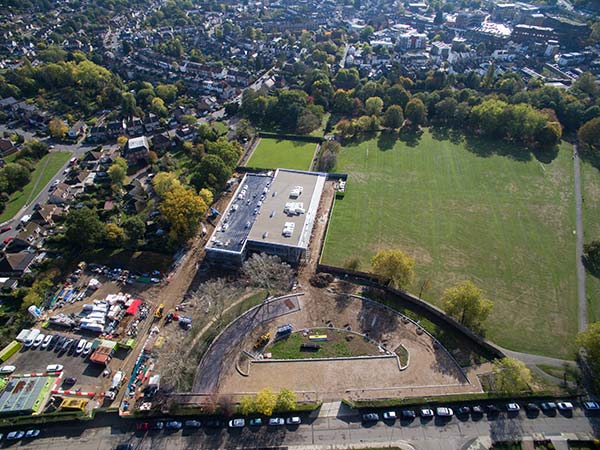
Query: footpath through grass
[[280, 153], [475, 210], [45, 169]]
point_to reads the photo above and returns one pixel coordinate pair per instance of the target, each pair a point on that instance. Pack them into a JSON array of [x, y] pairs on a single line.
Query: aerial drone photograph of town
[[302, 225]]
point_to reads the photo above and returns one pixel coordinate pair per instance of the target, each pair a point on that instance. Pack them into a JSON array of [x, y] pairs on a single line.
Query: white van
[[33, 334]]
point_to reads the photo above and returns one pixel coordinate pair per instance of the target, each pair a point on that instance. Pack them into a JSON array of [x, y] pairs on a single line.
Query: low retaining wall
[[420, 305]]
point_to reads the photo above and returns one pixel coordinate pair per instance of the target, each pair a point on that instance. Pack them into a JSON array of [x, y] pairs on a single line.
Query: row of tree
[[266, 401]]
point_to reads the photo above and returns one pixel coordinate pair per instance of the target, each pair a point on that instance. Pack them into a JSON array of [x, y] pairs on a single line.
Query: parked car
[[565, 406], [548, 406], [6, 242], [6, 228], [237, 423], [389, 415], [294, 420], [88, 348], [69, 381], [492, 410], [174, 425], [408, 414], [192, 424], [73, 346], [54, 342], [80, 346], [66, 344], [14, 435], [444, 412], [477, 410], [426, 412], [213, 423], [32, 434], [255, 422], [158, 425], [532, 408], [47, 341], [143, 426], [124, 447], [5, 370], [54, 368], [370, 417], [276, 421], [591, 406], [513, 407], [463, 411]]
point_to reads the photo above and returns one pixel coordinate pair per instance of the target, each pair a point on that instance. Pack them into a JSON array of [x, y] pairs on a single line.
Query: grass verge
[[280, 153], [338, 345], [45, 169]]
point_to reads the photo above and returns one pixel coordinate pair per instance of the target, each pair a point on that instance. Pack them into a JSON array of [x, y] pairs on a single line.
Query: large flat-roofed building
[[269, 213], [25, 395]]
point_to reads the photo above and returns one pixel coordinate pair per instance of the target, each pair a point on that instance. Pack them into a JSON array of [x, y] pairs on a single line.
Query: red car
[[143, 426], [8, 239], [6, 228]]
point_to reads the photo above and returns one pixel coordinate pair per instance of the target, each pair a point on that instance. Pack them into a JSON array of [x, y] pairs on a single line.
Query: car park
[[408, 414], [444, 412], [15, 435], [370, 417], [32, 434], [389, 415], [426, 413], [173, 425], [5, 370], [565, 406], [255, 422], [276, 421], [47, 341], [294, 420], [192, 424], [513, 407], [54, 368], [237, 423], [591, 406]]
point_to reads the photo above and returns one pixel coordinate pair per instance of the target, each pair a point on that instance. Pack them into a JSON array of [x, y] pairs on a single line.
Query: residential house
[[186, 133], [136, 150], [151, 123], [137, 197], [90, 159], [46, 214], [98, 133], [7, 147], [16, 264], [134, 127], [8, 284], [26, 238], [115, 128], [7, 103], [161, 142], [77, 130], [61, 195]]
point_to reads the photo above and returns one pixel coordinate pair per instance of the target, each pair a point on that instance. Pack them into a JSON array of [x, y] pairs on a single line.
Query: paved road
[[581, 294], [75, 149], [340, 432]]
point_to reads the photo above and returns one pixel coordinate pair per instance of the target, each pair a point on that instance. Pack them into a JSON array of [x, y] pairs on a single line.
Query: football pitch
[[483, 211], [281, 153]]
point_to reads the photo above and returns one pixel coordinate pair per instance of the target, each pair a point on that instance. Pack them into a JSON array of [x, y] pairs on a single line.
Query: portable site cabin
[[10, 350]]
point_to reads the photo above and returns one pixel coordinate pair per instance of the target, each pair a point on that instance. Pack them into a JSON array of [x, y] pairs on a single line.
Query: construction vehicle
[[284, 330], [159, 312], [262, 341]]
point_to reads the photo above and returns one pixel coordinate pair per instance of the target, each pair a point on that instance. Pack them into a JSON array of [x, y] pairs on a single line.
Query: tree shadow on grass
[[387, 140], [590, 156], [440, 133], [411, 136], [546, 155], [487, 147]]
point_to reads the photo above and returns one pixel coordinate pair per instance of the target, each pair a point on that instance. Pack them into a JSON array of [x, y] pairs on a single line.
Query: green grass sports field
[[285, 154], [483, 211]]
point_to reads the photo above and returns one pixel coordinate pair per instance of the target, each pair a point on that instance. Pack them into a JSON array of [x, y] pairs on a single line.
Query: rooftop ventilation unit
[[288, 229], [296, 192]]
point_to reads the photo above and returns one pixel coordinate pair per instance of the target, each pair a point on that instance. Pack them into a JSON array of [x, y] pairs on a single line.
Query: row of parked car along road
[[174, 425], [477, 411]]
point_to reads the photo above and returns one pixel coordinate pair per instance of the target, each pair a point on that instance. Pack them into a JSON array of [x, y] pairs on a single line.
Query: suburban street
[[321, 432], [75, 149]]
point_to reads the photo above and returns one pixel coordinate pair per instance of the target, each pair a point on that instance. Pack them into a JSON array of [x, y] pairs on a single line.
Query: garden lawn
[[474, 210], [45, 169], [339, 345], [277, 153]]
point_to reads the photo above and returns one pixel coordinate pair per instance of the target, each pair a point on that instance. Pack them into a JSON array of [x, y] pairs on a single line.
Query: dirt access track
[[431, 370]]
